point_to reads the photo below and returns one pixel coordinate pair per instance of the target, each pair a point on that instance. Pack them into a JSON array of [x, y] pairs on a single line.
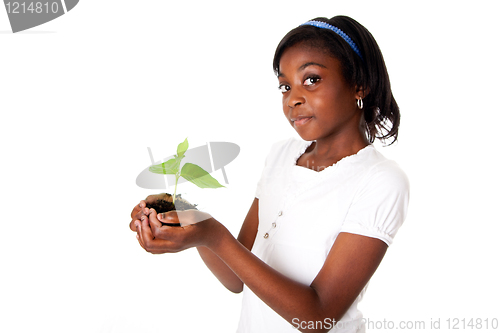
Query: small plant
[[191, 172]]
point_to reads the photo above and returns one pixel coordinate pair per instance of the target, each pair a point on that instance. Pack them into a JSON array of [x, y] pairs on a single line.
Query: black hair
[[369, 73]]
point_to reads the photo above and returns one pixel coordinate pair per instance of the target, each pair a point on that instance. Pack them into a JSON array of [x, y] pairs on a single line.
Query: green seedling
[[191, 172]]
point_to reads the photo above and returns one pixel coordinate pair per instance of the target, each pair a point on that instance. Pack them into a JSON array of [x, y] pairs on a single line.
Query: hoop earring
[[359, 103]]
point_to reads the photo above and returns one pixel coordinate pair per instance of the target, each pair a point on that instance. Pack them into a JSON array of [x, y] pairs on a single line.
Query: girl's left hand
[[197, 229]]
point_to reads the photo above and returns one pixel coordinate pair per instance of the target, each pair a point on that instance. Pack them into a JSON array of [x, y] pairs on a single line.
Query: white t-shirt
[[301, 212]]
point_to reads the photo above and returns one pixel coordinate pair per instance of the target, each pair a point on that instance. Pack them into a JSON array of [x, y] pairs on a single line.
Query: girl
[[326, 207]]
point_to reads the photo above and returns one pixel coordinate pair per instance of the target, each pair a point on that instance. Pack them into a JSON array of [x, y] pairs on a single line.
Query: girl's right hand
[[140, 209]]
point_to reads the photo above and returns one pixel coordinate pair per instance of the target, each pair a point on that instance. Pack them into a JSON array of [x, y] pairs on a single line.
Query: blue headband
[[324, 25]]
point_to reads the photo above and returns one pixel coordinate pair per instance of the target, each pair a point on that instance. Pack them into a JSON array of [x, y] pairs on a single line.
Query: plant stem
[[177, 176]]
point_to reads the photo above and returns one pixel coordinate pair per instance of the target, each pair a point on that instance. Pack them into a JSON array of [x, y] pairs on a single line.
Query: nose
[[295, 98]]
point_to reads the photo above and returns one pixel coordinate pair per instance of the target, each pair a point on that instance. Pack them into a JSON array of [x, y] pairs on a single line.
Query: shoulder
[[289, 144], [383, 175], [380, 202], [390, 173], [286, 150], [381, 170]]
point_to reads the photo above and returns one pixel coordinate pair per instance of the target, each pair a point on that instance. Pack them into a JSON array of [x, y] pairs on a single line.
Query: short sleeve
[[380, 204]]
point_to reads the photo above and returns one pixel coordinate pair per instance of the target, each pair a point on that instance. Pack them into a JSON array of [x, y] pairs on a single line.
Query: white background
[[83, 96]]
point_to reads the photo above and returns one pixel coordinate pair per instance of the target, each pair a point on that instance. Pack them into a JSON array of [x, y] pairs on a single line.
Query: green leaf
[[198, 176], [182, 147], [170, 167]]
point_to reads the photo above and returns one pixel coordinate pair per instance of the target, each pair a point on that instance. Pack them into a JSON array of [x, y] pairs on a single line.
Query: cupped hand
[[197, 229], [141, 210]]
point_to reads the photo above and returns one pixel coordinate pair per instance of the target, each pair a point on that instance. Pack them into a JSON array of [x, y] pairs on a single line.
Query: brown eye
[[284, 88], [311, 80]]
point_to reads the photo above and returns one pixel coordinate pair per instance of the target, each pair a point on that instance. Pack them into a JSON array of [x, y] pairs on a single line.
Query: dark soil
[[163, 206]]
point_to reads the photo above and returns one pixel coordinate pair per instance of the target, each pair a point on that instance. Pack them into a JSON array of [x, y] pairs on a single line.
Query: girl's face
[[317, 101]]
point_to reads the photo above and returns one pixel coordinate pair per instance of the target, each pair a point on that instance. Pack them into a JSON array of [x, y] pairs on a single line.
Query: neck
[[330, 150], [334, 152]]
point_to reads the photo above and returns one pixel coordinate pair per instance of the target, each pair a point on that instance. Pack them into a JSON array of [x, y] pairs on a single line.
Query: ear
[[362, 92]]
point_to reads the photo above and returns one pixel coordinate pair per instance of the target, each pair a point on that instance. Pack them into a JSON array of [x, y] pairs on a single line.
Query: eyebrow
[[310, 64], [304, 66]]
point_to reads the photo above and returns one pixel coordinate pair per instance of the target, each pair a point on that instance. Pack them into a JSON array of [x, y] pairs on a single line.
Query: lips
[[300, 120]]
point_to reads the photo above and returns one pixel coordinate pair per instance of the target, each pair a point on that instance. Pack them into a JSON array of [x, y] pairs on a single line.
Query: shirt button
[[280, 213], [274, 224], [266, 235]]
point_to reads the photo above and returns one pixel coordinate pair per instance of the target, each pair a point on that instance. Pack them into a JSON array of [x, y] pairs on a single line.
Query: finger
[[191, 216], [146, 234], [134, 212], [158, 245], [148, 242], [155, 197], [163, 232], [133, 226], [140, 242], [135, 218], [168, 217], [153, 222], [140, 213], [136, 224], [142, 204], [138, 227]]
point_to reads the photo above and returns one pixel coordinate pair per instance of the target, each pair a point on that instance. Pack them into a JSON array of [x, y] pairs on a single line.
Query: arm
[[246, 238], [350, 264], [223, 273]]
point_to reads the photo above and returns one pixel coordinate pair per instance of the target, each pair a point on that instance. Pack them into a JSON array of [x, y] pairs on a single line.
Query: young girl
[[326, 207]]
